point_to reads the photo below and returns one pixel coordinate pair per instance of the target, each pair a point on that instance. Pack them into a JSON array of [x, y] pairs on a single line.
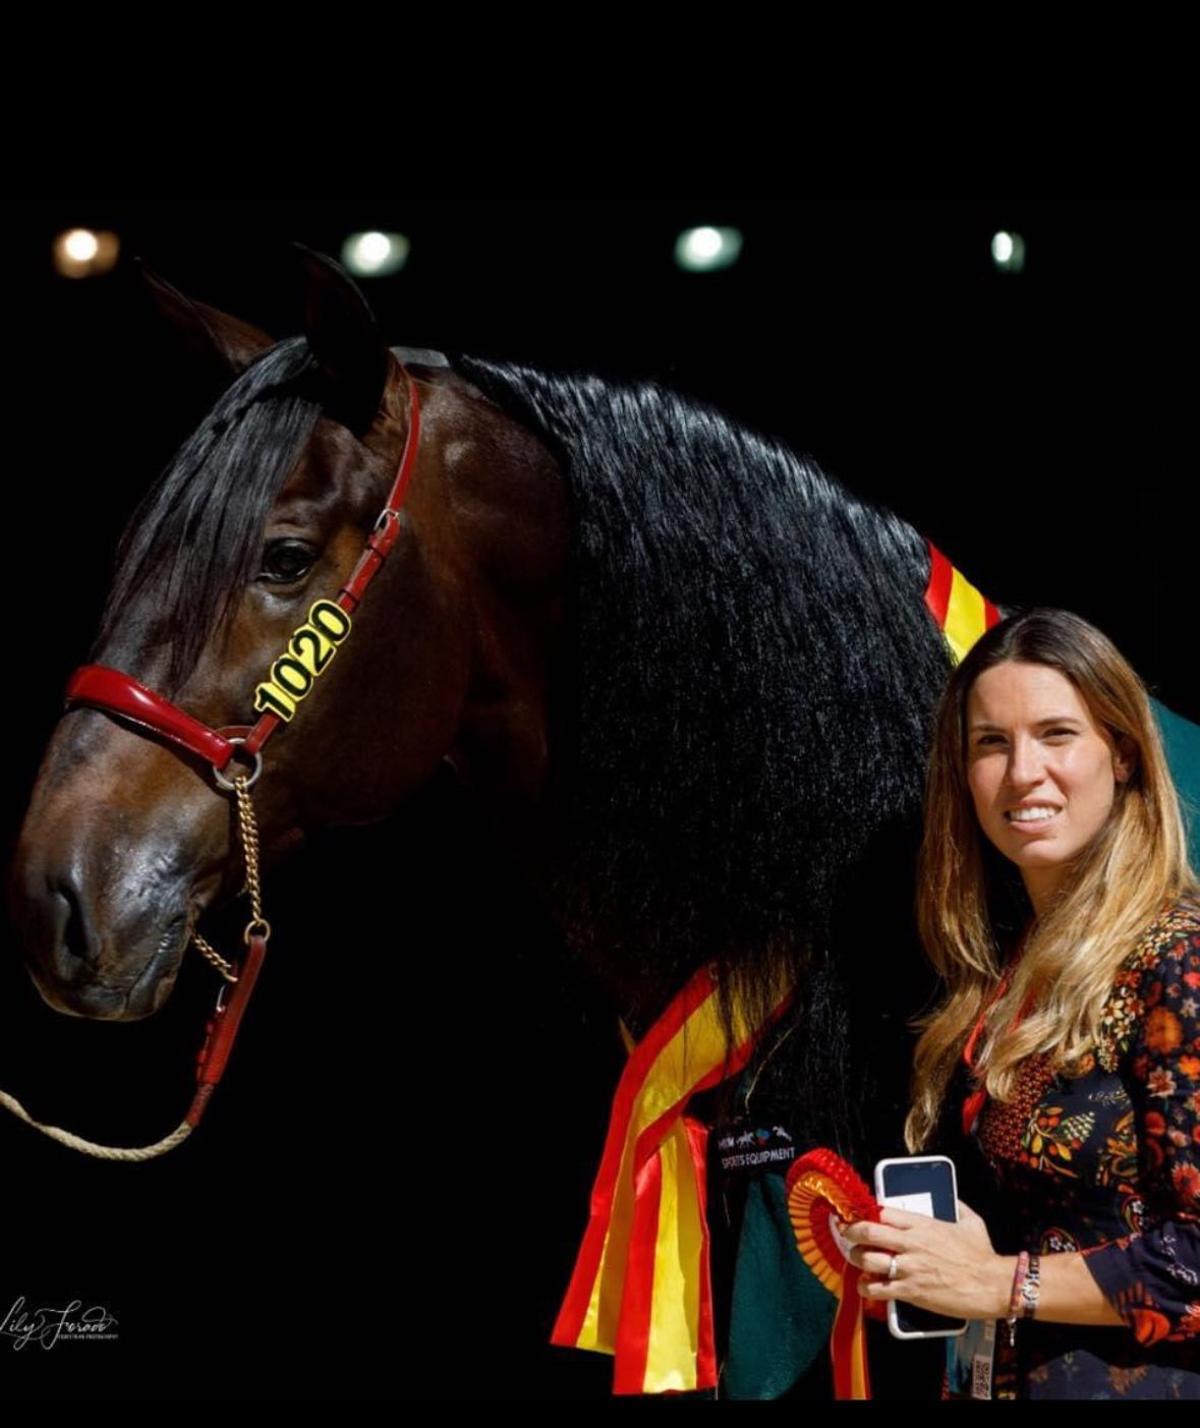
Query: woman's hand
[[950, 1269]]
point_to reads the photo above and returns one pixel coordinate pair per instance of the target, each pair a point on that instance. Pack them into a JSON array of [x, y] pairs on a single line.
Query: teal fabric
[[1181, 739], [781, 1316]]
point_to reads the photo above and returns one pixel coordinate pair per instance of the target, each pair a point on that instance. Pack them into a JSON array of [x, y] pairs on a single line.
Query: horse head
[[265, 510]]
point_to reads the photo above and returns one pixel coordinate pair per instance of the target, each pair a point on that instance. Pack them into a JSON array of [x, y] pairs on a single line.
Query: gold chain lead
[[258, 924]]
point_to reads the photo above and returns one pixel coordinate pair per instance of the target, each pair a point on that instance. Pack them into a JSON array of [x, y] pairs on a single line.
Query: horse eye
[[286, 560]]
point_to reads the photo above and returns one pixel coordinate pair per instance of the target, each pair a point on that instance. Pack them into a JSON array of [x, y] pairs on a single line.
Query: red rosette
[[821, 1184]]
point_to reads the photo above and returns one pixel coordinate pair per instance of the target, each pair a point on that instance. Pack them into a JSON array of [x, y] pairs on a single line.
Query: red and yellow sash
[[641, 1289]]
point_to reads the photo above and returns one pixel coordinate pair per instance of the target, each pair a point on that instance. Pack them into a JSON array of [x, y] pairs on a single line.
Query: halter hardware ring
[[381, 521], [257, 926], [227, 784]]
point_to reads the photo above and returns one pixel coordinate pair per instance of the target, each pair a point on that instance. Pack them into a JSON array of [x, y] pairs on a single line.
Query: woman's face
[[1042, 773]]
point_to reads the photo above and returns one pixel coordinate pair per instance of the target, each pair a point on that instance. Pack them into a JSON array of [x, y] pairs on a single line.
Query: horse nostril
[[73, 938]]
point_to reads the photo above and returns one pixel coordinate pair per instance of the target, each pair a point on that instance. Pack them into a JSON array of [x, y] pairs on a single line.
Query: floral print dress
[[1107, 1162]]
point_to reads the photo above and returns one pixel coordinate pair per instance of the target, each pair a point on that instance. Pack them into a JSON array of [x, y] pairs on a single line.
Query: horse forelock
[[191, 544]]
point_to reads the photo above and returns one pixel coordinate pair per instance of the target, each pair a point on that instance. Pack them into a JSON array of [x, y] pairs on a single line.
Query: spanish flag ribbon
[[819, 1185], [642, 1289], [962, 613]]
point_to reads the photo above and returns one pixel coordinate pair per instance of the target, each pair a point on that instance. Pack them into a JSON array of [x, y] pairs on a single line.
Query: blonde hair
[[970, 898]]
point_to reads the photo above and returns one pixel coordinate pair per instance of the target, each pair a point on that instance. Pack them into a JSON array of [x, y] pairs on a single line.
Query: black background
[[386, 1197]]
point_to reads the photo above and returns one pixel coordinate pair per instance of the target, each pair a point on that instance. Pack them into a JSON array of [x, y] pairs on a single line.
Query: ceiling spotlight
[[1008, 252], [85, 253], [375, 255], [703, 250]]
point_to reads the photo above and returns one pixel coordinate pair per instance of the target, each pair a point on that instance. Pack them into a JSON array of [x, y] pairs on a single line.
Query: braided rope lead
[[90, 1147]]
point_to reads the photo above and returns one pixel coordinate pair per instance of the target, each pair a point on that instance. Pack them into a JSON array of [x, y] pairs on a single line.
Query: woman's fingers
[[873, 1236], [873, 1262], [902, 1219], [880, 1289]]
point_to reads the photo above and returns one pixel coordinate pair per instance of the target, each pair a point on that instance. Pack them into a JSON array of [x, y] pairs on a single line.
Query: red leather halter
[[114, 692]]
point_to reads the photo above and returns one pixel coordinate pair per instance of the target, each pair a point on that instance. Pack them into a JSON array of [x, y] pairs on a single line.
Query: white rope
[[89, 1147]]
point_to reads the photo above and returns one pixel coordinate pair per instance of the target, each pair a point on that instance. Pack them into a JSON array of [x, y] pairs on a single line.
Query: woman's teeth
[[1030, 815]]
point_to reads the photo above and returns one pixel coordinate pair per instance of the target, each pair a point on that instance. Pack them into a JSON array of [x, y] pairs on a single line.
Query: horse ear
[[344, 338], [222, 347]]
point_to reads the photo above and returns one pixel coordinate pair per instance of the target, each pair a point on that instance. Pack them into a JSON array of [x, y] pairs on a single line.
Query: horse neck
[[541, 835]]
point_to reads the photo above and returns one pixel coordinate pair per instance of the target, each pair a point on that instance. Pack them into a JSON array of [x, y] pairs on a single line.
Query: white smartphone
[[926, 1185]]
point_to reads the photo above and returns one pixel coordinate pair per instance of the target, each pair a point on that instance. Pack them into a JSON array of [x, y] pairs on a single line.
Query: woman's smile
[[1032, 818]]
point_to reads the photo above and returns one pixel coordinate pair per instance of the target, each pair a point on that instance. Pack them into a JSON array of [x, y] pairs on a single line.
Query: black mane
[[754, 670]]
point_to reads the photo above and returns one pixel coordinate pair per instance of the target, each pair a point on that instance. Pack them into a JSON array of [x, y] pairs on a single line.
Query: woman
[[1062, 1069]]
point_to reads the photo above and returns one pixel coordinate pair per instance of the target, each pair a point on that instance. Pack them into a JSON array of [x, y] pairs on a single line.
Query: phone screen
[[926, 1187]]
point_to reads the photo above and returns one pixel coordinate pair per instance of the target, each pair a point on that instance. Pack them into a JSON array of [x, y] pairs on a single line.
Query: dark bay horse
[[689, 675], [688, 671]]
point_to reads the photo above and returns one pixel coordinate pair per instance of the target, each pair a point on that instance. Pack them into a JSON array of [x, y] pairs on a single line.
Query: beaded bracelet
[[1027, 1283], [1015, 1299], [1031, 1286]]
